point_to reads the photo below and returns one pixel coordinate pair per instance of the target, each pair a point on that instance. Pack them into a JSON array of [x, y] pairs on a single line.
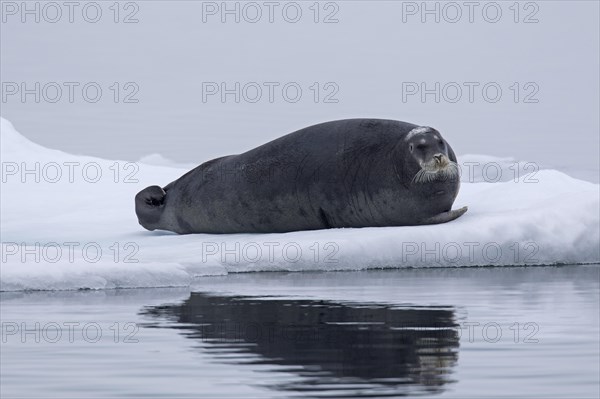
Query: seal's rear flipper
[[445, 216], [149, 205]]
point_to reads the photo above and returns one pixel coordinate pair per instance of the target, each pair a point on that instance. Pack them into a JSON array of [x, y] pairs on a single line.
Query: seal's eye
[[441, 142], [421, 147]]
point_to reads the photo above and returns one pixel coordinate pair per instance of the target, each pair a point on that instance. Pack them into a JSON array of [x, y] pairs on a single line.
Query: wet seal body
[[347, 173]]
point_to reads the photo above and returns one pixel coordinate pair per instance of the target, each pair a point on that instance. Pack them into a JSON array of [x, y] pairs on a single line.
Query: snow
[[68, 222], [159, 160]]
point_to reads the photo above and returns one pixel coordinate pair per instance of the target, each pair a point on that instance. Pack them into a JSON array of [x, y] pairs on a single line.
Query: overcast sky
[[162, 77]]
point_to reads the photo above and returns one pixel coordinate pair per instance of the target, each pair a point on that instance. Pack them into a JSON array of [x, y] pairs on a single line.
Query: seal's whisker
[[427, 174]]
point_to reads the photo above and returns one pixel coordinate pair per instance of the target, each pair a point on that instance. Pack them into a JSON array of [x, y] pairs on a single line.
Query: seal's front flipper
[[445, 216]]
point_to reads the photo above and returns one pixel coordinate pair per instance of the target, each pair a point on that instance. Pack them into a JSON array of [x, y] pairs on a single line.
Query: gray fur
[[347, 173]]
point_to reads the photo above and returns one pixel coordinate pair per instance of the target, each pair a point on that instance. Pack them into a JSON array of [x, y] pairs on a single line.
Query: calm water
[[494, 332]]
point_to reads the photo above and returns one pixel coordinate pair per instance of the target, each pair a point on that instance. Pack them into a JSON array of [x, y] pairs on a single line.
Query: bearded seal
[[345, 173]]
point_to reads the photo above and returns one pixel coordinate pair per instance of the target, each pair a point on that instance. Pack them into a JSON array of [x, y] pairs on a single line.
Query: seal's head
[[149, 206], [430, 151]]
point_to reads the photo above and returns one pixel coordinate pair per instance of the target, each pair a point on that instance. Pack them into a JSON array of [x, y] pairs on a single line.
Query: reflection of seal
[[339, 349], [348, 173]]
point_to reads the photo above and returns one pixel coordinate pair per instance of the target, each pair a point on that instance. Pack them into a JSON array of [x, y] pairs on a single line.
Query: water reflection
[[335, 349]]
